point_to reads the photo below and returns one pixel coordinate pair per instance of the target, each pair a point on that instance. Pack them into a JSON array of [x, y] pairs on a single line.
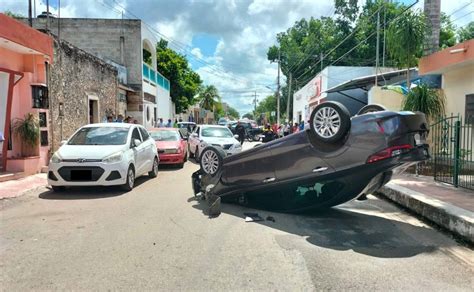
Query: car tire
[[154, 171], [255, 138], [370, 108], [130, 183], [330, 121], [212, 159], [58, 189], [191, 154]]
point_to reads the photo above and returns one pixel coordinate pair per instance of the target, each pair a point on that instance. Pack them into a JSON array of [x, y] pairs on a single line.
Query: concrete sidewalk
[[449, 207], [17, 187]]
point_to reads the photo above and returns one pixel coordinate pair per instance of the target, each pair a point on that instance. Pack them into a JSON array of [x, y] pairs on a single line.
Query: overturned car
[[338, 159]]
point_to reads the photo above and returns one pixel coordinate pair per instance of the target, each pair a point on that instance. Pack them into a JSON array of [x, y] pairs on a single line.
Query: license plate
[[81, 175]]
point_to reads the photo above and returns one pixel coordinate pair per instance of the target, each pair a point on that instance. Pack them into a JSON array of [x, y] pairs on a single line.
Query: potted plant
[[28, 130]]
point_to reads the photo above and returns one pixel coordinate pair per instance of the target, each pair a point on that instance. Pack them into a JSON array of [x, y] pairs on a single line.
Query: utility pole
[[255, 105], [30, 14], [377, 49], [290, 98], [47, 15], [278, 89], [384, 33]]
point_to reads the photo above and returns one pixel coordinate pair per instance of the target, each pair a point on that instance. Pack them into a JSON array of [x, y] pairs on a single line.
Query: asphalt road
[[157, 238]]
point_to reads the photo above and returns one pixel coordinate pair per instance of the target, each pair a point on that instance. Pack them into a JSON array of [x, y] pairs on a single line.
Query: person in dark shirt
[[240, 130]]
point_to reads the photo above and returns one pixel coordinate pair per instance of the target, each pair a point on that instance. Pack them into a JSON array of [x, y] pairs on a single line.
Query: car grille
[[225, 146], [80, 160], [81, 173]]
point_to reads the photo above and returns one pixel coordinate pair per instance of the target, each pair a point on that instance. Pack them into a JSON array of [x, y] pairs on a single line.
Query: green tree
[[405, 38], [466, 33], [233, 113], [447, 34], [185, 83], [427, 100], [209, 97]]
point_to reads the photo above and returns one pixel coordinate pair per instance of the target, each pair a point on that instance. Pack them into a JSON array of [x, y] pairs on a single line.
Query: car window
[[144, 133], [165, 135], [136, 135], [100, 136], [216, 132]]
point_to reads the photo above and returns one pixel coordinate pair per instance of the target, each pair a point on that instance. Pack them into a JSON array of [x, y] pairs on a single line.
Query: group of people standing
[[121, 119]]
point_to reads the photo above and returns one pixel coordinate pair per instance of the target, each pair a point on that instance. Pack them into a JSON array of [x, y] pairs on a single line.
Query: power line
[[463, 16], [463, 6]]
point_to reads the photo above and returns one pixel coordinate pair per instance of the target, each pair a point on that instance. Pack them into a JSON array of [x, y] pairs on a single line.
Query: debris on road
[[252, 217], [270, 218]]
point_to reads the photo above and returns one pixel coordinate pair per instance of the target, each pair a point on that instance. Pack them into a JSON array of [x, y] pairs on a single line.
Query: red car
[[172, 147]]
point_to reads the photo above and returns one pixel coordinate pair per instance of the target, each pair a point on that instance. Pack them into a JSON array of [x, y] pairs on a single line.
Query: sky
[[225, 41]]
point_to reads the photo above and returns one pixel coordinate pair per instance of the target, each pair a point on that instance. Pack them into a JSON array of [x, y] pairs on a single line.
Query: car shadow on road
[[343, 229], [88, 193]]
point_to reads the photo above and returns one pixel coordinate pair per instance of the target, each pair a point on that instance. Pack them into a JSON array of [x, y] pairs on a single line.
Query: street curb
[[452, 218]]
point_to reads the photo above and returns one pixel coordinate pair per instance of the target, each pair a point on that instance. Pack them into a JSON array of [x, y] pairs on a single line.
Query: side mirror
[[136, 142], [236, 137], [63, 142]]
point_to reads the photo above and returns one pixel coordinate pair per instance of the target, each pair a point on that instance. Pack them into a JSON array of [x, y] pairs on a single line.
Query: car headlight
[[56, 158], [116, 157]]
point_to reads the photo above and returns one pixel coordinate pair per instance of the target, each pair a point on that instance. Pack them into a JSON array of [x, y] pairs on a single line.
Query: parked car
[[223, 121], [217, 136], [335, 161], [104, 155], [172, 146]]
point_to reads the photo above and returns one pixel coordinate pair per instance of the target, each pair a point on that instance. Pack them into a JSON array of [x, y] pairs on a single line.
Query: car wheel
[[211, 160], [256, 138], [196, 154], [370, 108], [330, 121], [154, 171], [191, 154], [58, 189], [130, 183]]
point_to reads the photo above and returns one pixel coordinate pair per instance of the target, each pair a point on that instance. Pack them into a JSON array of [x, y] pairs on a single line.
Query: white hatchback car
[[207, 135], [104, 155]]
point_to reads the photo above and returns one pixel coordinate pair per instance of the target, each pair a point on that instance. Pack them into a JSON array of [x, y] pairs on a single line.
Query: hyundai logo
[[81, 160]]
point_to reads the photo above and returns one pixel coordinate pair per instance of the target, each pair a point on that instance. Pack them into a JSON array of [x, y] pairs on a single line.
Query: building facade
[[82, 89], [124, 43], [456, 66], [25, 56]]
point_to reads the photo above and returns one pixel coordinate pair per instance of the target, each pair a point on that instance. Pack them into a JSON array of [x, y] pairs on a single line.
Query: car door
[[148, 143], [298, 159], [139, 151], [194, 139]]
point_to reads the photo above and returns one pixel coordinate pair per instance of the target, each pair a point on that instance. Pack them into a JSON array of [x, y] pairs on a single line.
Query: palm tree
[[209, 97], [405, 37], [427, 100]]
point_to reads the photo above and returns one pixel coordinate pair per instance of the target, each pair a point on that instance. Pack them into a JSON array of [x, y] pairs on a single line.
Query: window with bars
[[469, 114]]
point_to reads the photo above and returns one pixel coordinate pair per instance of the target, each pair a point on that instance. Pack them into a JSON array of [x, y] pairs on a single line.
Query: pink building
[[25, 55]]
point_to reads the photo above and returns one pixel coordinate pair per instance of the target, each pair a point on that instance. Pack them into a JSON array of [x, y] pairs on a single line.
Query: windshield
[[165, 136], [100, 136], [216, 132]]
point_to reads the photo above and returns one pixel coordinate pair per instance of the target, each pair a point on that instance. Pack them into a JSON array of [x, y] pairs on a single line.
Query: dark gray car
[[338, 159]]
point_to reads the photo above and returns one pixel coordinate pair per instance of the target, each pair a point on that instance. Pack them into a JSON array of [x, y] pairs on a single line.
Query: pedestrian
[[175, 125], [119, 119], [286, 130], [295, 128], [129, 120], [110, 119], [240, 130], [169, 124], [160, 124], [301, 126]]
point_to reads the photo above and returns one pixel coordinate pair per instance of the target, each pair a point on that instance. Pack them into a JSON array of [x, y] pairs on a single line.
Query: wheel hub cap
[[210, 162], [327, 122]]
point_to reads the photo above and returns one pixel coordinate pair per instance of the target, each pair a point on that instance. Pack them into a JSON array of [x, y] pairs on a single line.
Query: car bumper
[[171, 158], [87, 174]]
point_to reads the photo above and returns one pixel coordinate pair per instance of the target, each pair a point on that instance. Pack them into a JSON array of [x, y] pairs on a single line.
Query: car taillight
[[388, 153]]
